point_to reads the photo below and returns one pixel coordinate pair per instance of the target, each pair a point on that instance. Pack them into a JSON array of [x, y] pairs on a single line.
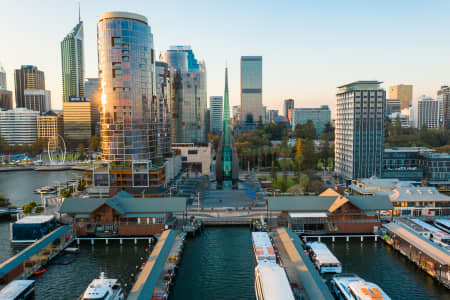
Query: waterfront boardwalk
[[38, 254], [428, 256], [158, 272], [301, 273]]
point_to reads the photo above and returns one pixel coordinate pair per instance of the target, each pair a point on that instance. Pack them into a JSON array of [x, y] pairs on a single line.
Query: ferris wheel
[[55, 147]]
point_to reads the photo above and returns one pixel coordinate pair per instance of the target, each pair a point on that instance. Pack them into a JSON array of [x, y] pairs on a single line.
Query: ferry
[[434, 234], [353, 287], [103, 288], [322, 258], [443, 224], [262, 248], [18, 290], [271, 283]]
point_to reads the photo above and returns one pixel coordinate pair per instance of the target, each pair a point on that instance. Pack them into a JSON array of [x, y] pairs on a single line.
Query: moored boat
[[351, 287], [103, 288], [323, 259], [18, 290]]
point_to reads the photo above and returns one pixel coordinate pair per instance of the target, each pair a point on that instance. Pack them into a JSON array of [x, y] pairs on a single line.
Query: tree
[[298, 164], [37, 147], [330, 163], [298, 147], [285, 164], [398, 126], [274, 171], [80, 148], [305, 131], [94, 143], [310, 159], [304, 181]]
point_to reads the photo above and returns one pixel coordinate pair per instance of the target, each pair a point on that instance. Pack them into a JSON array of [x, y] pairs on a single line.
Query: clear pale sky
[[308, 47]]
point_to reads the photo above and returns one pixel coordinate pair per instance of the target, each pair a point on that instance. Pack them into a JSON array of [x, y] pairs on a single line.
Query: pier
[[38, 254], [107, 239], [427, 255], [304, 278], [159, 270], [347, 237]]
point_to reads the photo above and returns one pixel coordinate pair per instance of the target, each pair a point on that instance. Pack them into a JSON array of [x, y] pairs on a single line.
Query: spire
[[79, 12], [226, 113]]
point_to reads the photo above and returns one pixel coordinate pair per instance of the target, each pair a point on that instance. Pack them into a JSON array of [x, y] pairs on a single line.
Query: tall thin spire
[[79, 12]]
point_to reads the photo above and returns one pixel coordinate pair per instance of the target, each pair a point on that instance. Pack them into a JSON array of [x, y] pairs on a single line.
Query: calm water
[[218, 264], [19, 186]]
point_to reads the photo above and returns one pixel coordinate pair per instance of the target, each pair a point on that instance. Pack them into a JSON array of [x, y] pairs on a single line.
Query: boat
[[31, 228], [18, 290], [45, 190], [74, 250], [351, 287], [262, 248], [40, 271], [103, 288], [443, 224], [323, 258], [271, 283]]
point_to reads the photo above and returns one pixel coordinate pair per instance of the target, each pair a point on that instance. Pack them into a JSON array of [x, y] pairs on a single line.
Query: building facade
[[189, 100], [236, 115], [50, 127], [72, 62], [78, 121], [5, 99], [403, 92], [288, 107], [2, 78], [251, 89], [93, 95], [216, 114], [427, 112], [126, 71], [163, 109], [38, 100], [359, 130], [271, 115], [19, 126], [392, 106], [443, 97], [195, 158], [320, 117], [27, 77]]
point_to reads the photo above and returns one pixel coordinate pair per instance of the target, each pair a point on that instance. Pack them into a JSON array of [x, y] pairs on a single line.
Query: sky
[[308, 47]]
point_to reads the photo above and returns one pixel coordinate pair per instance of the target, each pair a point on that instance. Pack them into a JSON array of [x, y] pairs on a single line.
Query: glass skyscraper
[[126, 71], [72, 62], [359, 134], [162, 110], [251, 89], [189, 105], [2, 78], [216, 114], [25, 78]]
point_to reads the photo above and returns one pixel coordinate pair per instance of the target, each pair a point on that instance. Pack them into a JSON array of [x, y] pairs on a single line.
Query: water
[[18, 186], [218, 264], [394, 273]]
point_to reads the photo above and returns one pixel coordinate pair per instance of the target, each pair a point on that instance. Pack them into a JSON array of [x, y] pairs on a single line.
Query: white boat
[[443, 224], [104, 289], [45, 190], [18, 290], [271, 283], [323, 258], [353, 287], [262, 248], [435, 234]]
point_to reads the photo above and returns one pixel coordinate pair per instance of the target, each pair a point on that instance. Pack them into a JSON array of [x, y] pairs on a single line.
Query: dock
[[303, 276], [38, 254], [157, 275], [428, 256]]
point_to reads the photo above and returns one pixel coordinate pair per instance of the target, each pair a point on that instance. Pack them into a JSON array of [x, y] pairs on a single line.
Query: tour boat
[[104, 288], [271, 283], [322, 258], [262, 248], [353, 287], [18, 290]]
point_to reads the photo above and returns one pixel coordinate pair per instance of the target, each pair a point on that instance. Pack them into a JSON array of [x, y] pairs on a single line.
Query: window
[[192, 152], [116, 42], [125, 58]]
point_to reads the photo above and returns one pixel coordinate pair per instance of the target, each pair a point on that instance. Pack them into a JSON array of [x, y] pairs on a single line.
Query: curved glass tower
[[126, 73]]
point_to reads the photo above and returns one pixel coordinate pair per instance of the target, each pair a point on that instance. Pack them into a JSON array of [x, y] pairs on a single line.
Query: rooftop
[[409, 149], [360, 83], [35, 219]]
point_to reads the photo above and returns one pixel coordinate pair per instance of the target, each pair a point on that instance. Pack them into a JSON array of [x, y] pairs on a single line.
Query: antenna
[[79, 12]]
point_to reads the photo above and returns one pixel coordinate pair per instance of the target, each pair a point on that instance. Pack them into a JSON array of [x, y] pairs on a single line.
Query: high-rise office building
[[288, 107], [264, 114], [93, 95], [189, 101], [320, 117], [72, 61], [359, 133], [236, 115], [251, 89], [392, 106], [216, 114], [403, 92], [50, 128], [78, 122], [163, 109], [5, 99], [27, 77], [126, 71], [427, 112], [443, 97], [2, 78], [19, 126], [38, 100], [271, 115]]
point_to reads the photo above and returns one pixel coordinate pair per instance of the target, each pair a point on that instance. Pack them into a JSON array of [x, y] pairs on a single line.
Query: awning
[[142, 215], [308, 215], [81, 216]]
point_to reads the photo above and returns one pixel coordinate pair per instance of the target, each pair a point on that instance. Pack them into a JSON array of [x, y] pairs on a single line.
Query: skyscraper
[[272, 114], [427, 112], [93, 95], [72, 61], [163, 110], [5, 99], [2, 78], [216, 114], [288, 107], [126, 71], [189, 101], [443, 96], [403, 92], [251, 89], [27, 77], [359, 134], [37, 100]]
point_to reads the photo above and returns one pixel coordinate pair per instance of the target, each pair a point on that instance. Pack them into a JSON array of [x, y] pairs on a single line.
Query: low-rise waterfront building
[[329, 212], [123, 215], [18, 126], [194, 157]]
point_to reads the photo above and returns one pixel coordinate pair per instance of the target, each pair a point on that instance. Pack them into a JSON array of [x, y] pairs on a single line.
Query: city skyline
[[303, 69]]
